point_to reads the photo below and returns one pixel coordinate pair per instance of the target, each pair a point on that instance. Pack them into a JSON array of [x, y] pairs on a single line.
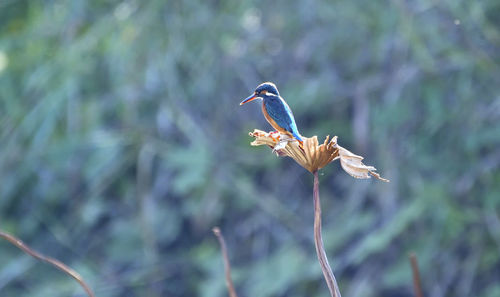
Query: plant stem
[[318, 240], [58, 264], [227, 265], [417, 286]]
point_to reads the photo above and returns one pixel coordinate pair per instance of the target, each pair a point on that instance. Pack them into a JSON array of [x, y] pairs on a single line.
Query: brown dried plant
[[417, 285], [313, 156], [227, 264], [54, 262]]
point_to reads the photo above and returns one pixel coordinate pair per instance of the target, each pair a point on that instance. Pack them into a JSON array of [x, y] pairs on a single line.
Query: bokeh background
[[122, 144]]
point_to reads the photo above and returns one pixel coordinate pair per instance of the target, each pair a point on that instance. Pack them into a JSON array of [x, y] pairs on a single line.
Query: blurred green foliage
[[122, 144]]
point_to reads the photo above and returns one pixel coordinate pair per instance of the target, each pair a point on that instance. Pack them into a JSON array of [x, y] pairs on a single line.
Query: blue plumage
[[281, 113]]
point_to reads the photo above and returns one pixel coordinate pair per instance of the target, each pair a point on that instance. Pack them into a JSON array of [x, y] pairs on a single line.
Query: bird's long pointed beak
[[250, 98]]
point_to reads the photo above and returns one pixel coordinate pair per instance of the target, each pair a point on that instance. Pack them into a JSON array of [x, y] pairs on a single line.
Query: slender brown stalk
[[227, 265], [58, 264], [417, 286], [318, 240]]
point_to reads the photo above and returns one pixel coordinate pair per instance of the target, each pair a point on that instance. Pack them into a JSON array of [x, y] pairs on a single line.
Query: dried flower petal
[[318, 156], [352, 164], [313, 156]]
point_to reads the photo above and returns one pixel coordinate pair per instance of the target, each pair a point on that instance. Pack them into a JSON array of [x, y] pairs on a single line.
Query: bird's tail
[[299, 138]]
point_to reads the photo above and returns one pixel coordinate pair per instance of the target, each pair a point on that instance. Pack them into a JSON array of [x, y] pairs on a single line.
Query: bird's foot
[[275, 135]]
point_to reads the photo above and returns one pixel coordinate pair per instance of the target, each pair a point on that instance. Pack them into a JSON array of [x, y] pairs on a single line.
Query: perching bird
[[275, 109]]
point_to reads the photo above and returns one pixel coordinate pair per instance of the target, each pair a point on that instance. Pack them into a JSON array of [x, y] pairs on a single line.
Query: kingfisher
[[275, 110]]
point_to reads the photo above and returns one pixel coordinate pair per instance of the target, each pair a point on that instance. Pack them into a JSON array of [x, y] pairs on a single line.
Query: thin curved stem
[[318, 241], [58, 264], [227, 265], [417, 286]]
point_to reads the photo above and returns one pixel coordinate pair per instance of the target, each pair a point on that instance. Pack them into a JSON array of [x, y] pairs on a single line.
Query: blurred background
[[122, 144]]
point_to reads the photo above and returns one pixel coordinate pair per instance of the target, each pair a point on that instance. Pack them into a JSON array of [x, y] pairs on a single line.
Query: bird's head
[[262, 91]]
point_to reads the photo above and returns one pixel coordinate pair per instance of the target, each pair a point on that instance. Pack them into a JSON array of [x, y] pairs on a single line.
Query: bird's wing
[[281, 114]]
